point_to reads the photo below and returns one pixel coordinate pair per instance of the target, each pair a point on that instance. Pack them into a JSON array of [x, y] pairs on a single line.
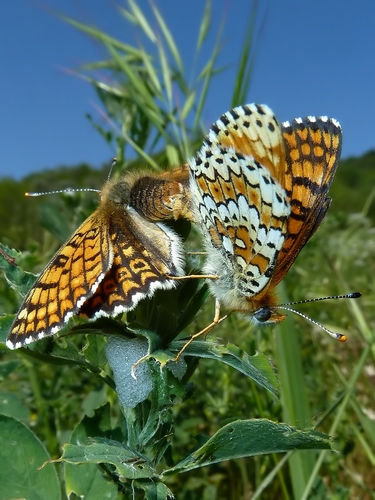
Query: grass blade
[[169, 39], [205, 24]]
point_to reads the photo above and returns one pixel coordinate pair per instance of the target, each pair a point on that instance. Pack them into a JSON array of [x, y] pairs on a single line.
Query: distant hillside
[[354, 184]]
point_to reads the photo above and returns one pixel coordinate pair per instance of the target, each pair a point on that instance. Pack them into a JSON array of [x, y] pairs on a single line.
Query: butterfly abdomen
[[159, 199]]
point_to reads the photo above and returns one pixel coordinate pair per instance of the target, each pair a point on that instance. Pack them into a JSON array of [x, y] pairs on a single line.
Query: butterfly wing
[[252, 130], [70, 278], [145, 255], [241, 207], [312, 147]]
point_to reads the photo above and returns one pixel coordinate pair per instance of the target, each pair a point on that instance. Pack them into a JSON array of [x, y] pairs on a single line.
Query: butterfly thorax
[[116, 192]]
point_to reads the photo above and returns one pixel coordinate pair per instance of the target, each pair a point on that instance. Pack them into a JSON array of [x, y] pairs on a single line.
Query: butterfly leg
[[8, 258], [137, 363], [206, 330]]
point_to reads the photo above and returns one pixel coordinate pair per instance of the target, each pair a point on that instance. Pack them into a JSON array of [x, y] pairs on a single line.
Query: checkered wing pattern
[[312, 152], [259, 192]]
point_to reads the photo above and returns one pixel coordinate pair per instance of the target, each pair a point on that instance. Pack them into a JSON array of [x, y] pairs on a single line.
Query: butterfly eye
[[263, 314]]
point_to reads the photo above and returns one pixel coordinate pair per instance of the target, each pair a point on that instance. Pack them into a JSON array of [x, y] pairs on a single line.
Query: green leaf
[[172, 154], [157, 431], [87, 480], [12, 406], [17, 278], [21, 455], [57, 352], [208, 72], [91, 484], [189, 103], [94, 399], [94, 350], [154, 490], [247, 438], [5, 323], [257, 367], [368, 425], [143, 95], [128, 463], [7, 367], [152, 72]]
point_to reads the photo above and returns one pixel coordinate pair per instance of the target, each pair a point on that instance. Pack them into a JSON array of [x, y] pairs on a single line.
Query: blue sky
[[312, 58]]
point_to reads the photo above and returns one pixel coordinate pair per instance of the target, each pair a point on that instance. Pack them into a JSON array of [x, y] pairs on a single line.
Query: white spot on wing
[[10, 345]]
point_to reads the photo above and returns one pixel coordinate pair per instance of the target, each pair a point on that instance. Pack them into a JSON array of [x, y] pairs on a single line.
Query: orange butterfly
[[259, 192], [112, 261]]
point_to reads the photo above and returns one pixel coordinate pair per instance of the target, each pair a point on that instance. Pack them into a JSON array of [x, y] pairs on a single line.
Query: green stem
[[349, 392]]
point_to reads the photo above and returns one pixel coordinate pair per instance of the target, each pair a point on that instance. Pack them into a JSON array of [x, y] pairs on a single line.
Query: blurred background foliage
[[323, 383]]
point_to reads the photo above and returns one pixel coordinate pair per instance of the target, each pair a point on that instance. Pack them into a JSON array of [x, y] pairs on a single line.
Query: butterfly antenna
[[337, 336], [67, 190], [75, 190], [114, 161]]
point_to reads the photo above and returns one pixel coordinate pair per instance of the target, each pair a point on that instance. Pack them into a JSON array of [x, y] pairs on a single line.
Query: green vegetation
[[212, 431]]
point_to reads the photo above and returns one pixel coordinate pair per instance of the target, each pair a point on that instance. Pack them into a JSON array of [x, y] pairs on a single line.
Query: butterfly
[[121, 254], [259, 191]]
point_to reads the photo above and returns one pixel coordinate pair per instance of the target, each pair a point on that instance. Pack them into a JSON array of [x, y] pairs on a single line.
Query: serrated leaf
[[154, 490], [87, 481], [58, 352], [17, 278], [128, 463], [257, 367]]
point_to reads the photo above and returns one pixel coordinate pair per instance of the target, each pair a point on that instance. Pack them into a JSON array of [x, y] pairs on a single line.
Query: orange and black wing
[[312, 148], [69, 279], [253, 131], [240, 202], [145, 255]]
